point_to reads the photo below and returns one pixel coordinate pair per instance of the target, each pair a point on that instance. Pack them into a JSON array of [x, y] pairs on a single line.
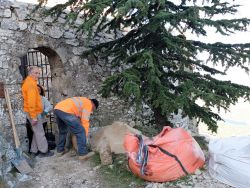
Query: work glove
[[44, 113]]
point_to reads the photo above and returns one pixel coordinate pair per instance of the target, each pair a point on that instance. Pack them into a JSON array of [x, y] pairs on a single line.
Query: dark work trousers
[[65, 122]]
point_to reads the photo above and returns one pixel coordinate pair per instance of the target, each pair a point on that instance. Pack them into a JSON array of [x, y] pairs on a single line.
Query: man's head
[[95, 102], [34, 72]]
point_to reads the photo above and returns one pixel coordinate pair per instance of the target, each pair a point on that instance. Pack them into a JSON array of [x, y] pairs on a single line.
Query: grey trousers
[[39, 141]]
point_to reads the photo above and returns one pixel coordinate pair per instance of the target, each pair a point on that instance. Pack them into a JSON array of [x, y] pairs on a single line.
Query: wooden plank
[[19, 162], [1, 90]]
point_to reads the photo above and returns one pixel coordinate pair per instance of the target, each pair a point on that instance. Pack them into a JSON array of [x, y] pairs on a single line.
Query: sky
[[240, 113]]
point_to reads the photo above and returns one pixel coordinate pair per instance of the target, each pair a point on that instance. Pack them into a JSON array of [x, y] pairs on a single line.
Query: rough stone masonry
[[21, 31]]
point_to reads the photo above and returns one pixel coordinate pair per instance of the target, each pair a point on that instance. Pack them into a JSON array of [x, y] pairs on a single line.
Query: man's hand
[[45, 113], [33, 121]]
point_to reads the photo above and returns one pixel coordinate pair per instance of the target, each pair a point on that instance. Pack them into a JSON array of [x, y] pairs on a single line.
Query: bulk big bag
[[229, 160], [166, 157]]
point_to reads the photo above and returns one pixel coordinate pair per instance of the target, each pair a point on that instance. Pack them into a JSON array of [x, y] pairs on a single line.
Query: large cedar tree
[[161, 66]]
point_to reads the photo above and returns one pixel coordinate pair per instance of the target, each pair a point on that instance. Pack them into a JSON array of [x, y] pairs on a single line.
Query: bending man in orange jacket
[[73, 114]]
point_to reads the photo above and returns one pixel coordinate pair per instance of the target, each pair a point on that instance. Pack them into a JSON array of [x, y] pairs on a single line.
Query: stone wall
[[71, 75], [21, 31]]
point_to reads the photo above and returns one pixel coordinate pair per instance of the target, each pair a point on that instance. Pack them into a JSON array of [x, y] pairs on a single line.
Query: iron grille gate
[[36, 58]]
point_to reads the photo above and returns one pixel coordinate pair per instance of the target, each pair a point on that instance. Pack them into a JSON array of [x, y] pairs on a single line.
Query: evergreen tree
[[163, 69]]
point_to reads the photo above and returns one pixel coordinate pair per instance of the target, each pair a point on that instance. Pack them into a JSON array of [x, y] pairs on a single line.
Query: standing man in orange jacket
[[33, 107], [73, 114]]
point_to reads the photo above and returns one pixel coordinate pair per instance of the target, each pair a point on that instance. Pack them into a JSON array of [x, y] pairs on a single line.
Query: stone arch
[[57, 72], [59, 79]]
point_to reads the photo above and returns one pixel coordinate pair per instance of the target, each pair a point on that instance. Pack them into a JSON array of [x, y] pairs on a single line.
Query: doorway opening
[[36, 58]]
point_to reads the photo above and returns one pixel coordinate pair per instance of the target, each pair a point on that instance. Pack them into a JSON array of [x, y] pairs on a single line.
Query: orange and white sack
[[166, 157]]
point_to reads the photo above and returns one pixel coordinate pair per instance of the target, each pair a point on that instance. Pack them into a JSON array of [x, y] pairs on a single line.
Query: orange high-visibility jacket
[[78, 106], [32, 102]]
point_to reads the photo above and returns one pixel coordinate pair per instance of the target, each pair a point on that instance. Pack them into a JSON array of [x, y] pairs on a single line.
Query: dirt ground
[[68, 172], [62, 172]]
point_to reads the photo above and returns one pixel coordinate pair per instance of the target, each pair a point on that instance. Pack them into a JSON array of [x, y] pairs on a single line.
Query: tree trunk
[[160, 120]]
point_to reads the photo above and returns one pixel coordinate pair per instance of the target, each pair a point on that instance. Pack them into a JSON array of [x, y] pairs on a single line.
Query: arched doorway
[[36, 58], [53, 77], [51, 71]]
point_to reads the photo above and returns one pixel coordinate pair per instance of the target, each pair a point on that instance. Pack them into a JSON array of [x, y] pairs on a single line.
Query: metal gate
[[36, 58]]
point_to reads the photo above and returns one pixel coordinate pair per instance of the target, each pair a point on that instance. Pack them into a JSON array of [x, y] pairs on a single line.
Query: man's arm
[[47, 107], [85, 124], [31, 102]]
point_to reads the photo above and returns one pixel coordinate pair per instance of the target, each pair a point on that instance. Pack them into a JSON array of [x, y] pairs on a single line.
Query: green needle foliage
[[161, 66]]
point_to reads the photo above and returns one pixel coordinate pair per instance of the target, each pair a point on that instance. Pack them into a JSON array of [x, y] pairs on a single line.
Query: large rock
[[113, 134], [109, 139], [105, 152]]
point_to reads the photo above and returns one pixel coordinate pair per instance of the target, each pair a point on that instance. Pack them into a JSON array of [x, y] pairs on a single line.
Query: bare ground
[[62, 172], [69, 172]]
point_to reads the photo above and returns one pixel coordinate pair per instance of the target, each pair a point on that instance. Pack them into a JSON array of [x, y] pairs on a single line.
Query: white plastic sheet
[[229, 161]]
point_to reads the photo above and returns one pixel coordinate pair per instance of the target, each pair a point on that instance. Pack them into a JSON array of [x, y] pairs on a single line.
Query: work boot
[[48, 154], [60, 154], [87, 156], [33, 155], [73, 153]]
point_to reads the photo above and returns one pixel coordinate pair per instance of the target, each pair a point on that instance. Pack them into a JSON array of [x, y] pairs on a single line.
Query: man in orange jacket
[[33, 107], [73, 114]]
